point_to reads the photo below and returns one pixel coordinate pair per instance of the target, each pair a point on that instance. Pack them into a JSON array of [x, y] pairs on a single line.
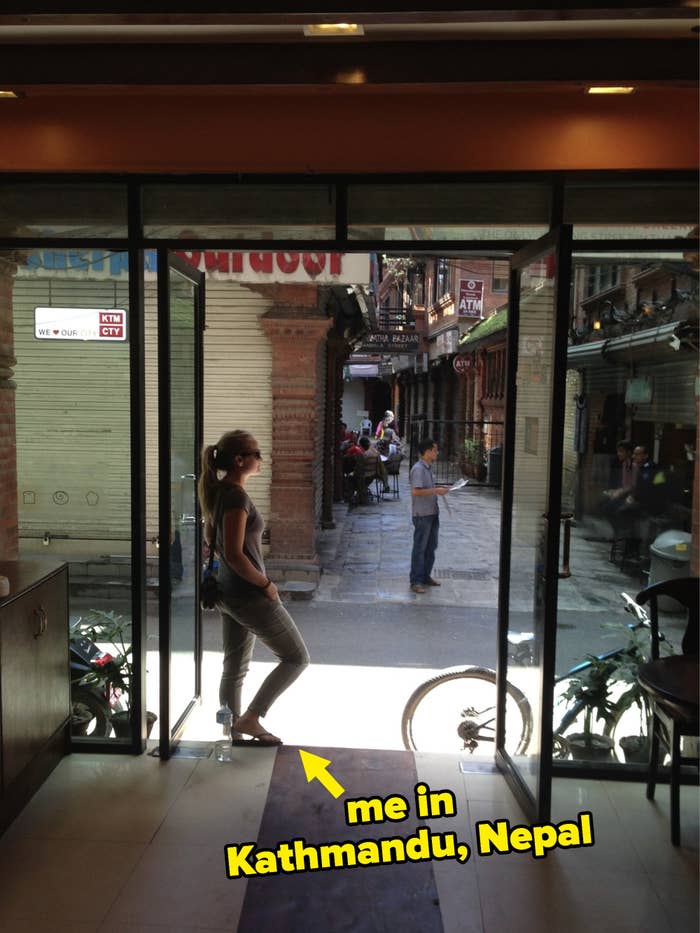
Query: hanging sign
[[80, 324], [471, 297], [465, 363]]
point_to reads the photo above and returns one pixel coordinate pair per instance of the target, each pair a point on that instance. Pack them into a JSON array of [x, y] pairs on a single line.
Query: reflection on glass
[[65, 210], [183, 560], [240, 211], [511, 232], [629, 450], [72, 421], [532, 422]]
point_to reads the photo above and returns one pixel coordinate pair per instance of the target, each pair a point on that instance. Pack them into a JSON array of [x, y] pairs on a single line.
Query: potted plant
[[112, 631], [589, 690], [473, 459], [635, 746]]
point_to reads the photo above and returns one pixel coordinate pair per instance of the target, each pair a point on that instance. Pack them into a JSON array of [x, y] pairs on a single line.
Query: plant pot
[[121, 723], [635, 748], [79, 724], [587, 746]]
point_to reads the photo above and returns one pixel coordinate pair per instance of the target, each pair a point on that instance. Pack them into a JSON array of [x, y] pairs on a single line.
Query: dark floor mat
[[373, 899]]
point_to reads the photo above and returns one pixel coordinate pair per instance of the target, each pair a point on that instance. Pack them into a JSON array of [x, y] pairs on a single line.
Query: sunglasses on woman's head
[[252, 453]]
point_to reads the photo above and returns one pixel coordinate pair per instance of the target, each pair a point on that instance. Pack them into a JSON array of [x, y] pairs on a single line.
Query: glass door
[[537, 343], [180, 327]]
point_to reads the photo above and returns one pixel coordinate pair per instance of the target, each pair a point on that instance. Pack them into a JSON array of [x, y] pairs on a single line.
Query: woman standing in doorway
[[250, 603]]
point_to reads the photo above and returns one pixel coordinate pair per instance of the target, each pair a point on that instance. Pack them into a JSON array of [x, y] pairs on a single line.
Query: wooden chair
[[671, 684]]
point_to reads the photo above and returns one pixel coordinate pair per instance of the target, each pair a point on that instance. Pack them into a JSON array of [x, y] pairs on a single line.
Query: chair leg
[[653, 757], [675, 785]]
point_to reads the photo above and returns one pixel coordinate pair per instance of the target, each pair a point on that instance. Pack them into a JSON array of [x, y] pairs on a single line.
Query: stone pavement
[[366, 559], [368, 554]]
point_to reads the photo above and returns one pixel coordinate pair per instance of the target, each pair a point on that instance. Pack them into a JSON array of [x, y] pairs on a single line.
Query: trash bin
[[670, 557], [495, 463]]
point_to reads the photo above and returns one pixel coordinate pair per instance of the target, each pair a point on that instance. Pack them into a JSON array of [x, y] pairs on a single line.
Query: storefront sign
[[446, 342], [471, 297], [80, 324], [390, 341], [465, 363], [225, 265]]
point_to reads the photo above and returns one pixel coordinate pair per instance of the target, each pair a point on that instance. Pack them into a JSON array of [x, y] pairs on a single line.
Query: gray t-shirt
[[232, 585], [421, 477]]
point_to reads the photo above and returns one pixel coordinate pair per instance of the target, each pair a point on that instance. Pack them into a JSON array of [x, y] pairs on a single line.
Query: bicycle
[[428, 722]]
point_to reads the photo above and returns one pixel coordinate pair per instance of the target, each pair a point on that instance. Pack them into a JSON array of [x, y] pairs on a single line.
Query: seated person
[[389, 443], [352, 449], [614, 498], [373, 463], [649, 493], [647, 499]]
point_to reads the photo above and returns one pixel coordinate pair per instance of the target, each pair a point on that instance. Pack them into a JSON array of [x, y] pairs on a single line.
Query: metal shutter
[[73, 419]]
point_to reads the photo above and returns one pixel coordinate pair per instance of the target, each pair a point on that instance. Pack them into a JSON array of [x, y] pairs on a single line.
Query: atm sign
[[80, 324]]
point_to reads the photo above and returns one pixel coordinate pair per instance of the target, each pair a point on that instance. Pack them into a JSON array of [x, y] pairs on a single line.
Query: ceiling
[[205, 44]]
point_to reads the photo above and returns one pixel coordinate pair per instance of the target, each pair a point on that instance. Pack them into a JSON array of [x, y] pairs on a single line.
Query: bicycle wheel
[[457, 710]]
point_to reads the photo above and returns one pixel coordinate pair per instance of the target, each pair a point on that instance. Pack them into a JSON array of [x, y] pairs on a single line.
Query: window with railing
[[495, 373]]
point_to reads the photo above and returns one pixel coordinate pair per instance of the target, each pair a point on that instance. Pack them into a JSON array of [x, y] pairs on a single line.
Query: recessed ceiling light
[[12, 95], [334, 29], [610, 89]]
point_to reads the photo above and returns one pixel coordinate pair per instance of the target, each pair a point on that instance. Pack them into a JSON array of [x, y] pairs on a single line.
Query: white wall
[[353, 401]]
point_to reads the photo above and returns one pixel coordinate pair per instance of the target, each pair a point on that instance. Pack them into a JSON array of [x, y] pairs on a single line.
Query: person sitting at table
[[352, 449], [627, 475], [389, 443], [374, 465]]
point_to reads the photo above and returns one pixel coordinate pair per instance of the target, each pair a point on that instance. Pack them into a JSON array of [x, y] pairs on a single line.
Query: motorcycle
[[94, 698]]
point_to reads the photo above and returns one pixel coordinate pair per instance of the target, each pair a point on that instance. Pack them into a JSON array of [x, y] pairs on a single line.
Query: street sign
[[463, 363], [390, 341]]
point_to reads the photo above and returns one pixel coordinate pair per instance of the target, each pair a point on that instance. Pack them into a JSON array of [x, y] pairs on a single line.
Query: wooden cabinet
[[34, 679]]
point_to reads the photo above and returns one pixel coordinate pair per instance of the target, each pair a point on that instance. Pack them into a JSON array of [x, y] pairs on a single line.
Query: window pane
[[632, 365], [65, 210], [241, 211], [72, 417], [448, 211], [631, 211]]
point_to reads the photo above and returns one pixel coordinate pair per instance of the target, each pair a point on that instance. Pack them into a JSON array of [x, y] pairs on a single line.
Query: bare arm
[[429, 491], [235, 557]]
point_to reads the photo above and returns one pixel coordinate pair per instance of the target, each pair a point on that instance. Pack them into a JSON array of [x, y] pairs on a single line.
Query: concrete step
[[296, 589]]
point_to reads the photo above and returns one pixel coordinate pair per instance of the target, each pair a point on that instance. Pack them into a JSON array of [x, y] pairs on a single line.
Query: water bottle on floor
[[223, 750]]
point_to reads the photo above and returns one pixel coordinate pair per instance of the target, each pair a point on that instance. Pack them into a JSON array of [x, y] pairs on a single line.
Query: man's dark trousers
[[425, 542]]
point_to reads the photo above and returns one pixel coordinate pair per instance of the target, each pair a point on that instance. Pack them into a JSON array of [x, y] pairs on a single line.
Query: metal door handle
[[42, 619]]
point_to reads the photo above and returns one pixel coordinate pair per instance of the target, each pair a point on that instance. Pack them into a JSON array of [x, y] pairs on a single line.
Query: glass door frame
[[167, 261], [559, 240]]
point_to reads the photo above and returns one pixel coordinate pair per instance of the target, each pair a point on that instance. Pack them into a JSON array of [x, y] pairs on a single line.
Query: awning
[[661, 343]]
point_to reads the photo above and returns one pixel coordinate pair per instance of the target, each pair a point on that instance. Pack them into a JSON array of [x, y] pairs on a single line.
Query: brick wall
[[297, 337], [8, 444]]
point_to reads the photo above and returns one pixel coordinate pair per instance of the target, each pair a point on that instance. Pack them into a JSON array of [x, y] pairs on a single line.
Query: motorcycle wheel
[[86, 704]]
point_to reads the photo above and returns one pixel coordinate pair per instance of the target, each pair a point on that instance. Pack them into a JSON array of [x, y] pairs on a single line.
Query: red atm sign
[[80, 324]]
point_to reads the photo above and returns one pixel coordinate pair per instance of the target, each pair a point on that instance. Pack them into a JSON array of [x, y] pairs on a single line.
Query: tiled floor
[[133, 845]]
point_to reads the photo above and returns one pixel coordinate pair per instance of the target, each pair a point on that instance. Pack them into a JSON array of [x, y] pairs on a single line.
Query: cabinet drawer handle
[[42, 619]]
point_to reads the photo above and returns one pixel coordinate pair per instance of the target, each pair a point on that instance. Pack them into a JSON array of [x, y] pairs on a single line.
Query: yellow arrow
[[316, 767]]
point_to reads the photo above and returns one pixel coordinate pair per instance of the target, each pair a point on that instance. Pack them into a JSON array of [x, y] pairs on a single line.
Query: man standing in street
[[426, 520]]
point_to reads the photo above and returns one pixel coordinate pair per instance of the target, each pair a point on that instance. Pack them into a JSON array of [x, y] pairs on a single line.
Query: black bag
[[209, 587]]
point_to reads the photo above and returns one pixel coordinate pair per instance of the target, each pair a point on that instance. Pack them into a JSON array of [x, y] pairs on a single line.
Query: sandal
[[266, 739]]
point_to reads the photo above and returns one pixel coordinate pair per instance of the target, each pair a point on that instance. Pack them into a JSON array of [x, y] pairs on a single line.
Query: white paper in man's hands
[[458, 484]]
